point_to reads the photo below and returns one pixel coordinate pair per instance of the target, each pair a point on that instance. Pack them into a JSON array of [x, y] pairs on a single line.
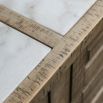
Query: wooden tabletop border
[[29, 27], [65, 49]]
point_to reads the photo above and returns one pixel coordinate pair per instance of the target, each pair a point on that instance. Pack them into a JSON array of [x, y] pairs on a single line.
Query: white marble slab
[[19, 55], [59, 15]]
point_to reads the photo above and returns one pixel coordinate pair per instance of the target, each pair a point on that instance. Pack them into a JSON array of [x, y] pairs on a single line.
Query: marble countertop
[[20, 54], [59, 15]]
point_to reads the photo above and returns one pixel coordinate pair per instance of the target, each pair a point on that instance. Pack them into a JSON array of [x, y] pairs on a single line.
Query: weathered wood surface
[[29, 27], [78, 76], [94, 65], [95, 45], [94, 86], [66, 49], [99, 96]]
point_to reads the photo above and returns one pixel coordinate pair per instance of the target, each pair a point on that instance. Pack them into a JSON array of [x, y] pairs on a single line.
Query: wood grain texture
[[63, 55], [29, 27], [95, 45], [99, 96], [91, 90], [60, 90], [94, 65], [78, 77]]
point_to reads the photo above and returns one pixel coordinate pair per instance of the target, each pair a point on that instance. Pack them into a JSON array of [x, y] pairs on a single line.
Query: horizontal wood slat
[[99, 96], [93, 66], [93, 87]]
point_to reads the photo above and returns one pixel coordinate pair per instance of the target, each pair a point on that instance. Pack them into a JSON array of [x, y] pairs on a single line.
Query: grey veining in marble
[[19, 55], [59, 15]]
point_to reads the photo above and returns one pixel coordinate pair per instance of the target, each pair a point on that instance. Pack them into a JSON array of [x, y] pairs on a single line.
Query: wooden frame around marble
[[65, 49], [29, 27]]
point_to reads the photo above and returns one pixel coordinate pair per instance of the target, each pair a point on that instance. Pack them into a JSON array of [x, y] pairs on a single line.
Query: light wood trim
[[29, 27], [87, 22], [66, 50]]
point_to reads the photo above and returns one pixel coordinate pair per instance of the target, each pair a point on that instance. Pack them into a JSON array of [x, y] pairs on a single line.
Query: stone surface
[[59, 15], [19, 55]]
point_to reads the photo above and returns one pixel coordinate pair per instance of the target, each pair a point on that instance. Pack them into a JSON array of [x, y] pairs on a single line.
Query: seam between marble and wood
[[65, 49], [29, 27]]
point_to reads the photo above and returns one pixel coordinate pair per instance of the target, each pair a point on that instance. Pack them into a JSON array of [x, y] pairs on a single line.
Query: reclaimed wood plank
[[93, 87], [29, 27], [93, 64]]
